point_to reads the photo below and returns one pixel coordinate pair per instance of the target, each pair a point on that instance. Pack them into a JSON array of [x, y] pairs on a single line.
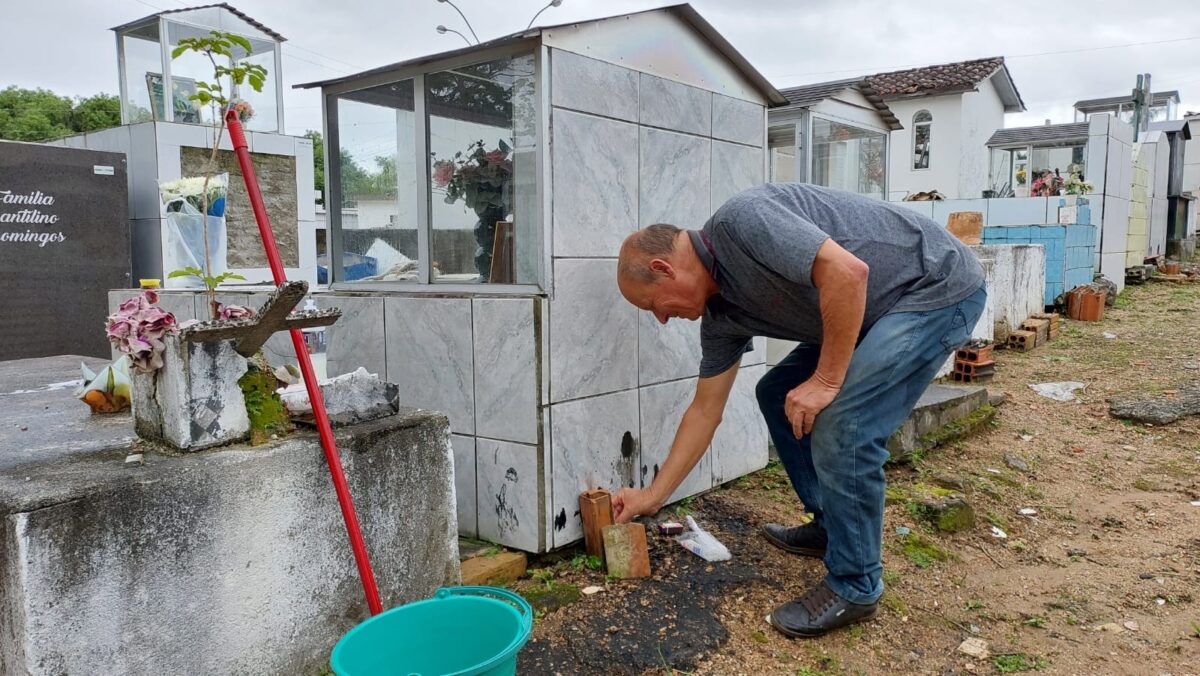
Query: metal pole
[[238, 137]]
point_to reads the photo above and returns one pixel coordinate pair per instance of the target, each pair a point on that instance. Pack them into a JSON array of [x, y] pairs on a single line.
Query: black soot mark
[[560, 521], [627, 445], [511, 474]]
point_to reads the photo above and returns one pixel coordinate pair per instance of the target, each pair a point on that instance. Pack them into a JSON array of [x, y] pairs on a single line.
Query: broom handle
[[328, 445]]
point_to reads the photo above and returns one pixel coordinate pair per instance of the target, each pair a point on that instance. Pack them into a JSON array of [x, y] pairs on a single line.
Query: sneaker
[[818, 612], [806, 540]]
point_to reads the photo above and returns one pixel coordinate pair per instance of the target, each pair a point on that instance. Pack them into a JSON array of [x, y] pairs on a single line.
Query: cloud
[[790, 42]]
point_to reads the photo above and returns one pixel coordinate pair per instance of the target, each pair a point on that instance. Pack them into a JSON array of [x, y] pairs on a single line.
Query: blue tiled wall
[[1069, 249]]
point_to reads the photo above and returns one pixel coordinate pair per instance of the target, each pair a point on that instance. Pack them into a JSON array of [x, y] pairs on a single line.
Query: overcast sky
[[1057, 53]]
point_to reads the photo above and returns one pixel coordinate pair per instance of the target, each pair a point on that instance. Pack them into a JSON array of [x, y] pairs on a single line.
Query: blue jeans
[[837, 470]]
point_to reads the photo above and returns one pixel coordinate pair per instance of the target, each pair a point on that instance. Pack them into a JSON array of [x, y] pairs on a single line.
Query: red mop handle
[[238, 137]]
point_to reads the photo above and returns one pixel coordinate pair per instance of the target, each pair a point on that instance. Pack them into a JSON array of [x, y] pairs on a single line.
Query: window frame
[[333, 188], [887, 146], [928, 124]]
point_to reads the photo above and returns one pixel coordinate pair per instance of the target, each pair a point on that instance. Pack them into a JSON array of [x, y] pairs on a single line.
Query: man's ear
[[662, 267]]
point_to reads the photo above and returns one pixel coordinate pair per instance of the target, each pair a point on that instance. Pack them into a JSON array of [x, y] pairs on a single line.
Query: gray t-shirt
[[765, 239]]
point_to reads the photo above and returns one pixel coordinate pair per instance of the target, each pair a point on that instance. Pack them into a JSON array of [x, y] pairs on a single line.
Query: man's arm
[[841, 282], [695, 432]]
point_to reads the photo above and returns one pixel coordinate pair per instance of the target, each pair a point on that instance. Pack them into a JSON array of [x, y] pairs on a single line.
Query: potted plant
[[482, 179]]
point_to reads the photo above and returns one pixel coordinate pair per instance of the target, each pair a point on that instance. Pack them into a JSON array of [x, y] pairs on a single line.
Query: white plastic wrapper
[[701, 543]]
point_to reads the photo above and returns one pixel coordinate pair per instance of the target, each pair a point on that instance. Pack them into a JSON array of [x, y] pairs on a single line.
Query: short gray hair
[[653, 241]]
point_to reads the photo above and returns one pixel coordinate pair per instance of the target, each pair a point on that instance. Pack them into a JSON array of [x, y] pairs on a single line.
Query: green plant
[[1011, 664], [217, 45], [1196, 629], [973, 604], [1039, 622]]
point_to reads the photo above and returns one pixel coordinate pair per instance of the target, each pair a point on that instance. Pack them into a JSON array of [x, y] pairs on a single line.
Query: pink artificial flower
[[227, 312], [138, 328], [495, 156], [442, 173]]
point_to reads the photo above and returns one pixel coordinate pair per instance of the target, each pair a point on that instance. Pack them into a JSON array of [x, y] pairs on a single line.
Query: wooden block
[[595, 508], [498, 569], [625, 550], [967, 226], [1041, 327], [1022, 341]]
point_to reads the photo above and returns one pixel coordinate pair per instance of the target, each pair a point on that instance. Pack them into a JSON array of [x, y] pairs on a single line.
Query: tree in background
[[42, 115]]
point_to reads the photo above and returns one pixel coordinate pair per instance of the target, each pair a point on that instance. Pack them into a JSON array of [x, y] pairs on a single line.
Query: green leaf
[[178, 51], [256, 82], [240, 42], [186, 272]]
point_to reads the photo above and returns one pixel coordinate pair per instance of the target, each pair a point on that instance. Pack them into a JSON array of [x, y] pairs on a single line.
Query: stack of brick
[[1036, 331], [974, 364]]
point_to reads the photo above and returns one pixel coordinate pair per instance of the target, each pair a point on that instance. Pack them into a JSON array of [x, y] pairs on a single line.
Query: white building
[[948, 113], [833, 134]]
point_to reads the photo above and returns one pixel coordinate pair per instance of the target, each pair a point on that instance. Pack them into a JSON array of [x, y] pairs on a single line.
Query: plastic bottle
[[314, 342]]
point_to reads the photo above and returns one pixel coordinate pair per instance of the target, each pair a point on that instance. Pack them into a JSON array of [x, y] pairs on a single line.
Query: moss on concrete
[[268, 415], [551, 595], [959, 429]]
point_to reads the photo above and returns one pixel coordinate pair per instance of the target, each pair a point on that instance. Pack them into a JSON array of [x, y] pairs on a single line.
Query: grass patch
[[893, 603], [759, 637], [891, 577], [1038, 622], [1011, 664], [921, 551], [996, 520], [973, 604]]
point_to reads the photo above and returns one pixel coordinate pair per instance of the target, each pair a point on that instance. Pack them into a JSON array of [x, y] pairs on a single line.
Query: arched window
[[922, 124]]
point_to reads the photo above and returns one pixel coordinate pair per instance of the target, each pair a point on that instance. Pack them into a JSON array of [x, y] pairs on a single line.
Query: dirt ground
[[1103, 579]]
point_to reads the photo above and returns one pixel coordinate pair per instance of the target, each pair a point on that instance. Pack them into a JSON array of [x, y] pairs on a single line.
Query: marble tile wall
[[738, 121], [662, 407], [734, 169], [594, 164], [430, 356], [593, 443], [355, 340], [672, 105], [740, 444], [593, 331], [464, 484], [674, 182], [508, 494], [592, 86], [506, 387], [667, 352]]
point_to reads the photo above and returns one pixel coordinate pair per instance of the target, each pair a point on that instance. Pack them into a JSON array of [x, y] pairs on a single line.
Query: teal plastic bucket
[[461, 631]]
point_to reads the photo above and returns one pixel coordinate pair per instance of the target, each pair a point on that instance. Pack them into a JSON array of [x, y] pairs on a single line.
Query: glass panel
[[187, 70], [1000, 172], [143, 65], [483, 154], [922, 116], [783, 153], [378, 170], [1021, 178], [1062, 161], [1158, 113], [848, 158], [264, 104], [921, 138]]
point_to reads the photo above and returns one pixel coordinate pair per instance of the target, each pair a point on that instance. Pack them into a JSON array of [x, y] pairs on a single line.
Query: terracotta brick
[[1022, 341]]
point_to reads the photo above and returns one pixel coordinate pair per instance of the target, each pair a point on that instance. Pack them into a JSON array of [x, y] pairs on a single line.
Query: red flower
[[442, 173], [495, 156]]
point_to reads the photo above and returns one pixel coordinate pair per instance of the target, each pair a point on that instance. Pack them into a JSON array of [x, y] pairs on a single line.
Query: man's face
[[672, 294]]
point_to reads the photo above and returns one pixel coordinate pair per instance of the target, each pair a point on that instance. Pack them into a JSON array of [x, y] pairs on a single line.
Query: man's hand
[[632, 502], [804, 403]]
